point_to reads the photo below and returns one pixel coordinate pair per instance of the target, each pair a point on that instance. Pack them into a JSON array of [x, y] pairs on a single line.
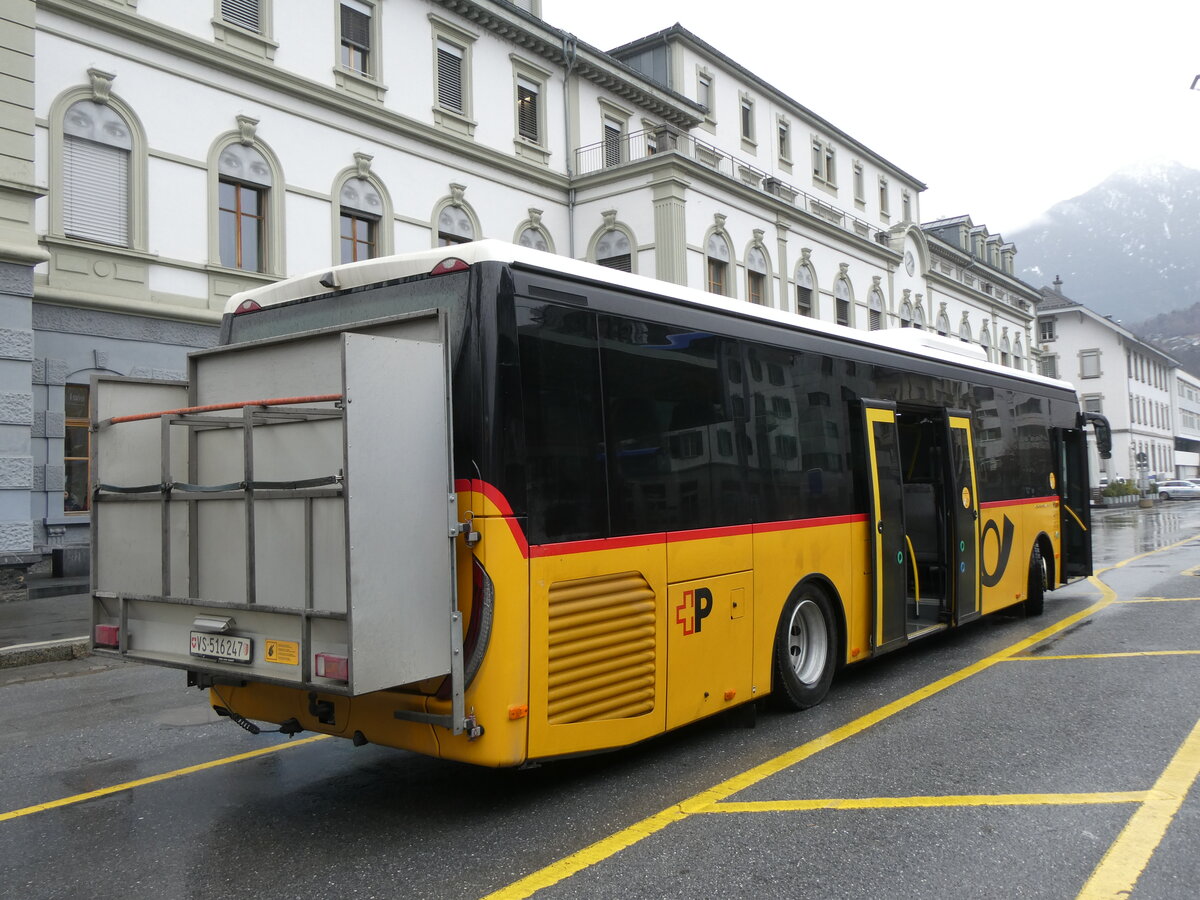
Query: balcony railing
[[639, 145]]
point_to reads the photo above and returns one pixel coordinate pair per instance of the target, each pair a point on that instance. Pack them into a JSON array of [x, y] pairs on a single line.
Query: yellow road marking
[[703, 801], [1129, 854], [128, 785], [1106, 655], [838, 803], [1157, 599]]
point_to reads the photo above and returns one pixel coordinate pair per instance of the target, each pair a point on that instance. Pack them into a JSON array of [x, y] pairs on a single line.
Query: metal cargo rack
[[306, 522]]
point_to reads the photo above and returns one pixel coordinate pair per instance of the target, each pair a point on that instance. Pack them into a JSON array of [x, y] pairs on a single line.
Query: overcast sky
[[1002, 109]]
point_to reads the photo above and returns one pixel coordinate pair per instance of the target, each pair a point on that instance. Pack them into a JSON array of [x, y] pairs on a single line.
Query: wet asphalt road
[[1014, 779]]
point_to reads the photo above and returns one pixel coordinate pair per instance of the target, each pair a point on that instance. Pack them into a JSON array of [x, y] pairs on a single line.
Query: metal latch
[[472, 536], [473, 729]]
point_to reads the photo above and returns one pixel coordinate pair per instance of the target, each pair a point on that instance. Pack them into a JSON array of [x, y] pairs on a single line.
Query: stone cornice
[[531, 33], [209, 54]]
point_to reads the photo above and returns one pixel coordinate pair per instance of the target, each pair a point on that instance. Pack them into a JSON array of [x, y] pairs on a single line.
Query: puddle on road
[[1123, 533]]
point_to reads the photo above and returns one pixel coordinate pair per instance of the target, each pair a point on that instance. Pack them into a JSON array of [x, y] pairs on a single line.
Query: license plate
[[223, 647]]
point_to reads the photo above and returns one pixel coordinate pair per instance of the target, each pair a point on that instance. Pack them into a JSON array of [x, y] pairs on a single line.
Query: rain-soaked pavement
[[1043, 757]]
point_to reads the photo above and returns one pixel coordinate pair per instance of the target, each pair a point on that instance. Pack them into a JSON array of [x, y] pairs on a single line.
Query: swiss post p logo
[[694, 609]]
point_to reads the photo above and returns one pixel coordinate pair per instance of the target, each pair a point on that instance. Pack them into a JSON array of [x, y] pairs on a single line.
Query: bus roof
[[391, 268]]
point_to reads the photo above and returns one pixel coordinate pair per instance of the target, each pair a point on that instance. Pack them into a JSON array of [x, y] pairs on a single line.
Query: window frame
[[716, 268], [535, 148], [81, 423], [234, 34], [747, 122], [458, 43], [273, 245]]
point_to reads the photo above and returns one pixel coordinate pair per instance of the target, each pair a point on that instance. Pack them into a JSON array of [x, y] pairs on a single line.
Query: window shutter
[[450, 87], [527, 109], [95, 191], [242, 12], [356, 27]]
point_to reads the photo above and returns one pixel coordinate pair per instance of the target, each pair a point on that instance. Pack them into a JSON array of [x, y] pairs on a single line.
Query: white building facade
[[162, 156], [1130, 382]]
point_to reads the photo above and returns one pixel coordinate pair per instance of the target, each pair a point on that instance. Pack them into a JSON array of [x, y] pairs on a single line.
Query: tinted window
[[563, 429], [676, 447]]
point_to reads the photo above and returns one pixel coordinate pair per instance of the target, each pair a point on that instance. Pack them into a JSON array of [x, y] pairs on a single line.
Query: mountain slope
[[1127, 248]]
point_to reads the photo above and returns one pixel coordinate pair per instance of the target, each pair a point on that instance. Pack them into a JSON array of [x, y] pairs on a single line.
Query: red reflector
[[108, 636], [335, 667], [246, 306], [452, 264]]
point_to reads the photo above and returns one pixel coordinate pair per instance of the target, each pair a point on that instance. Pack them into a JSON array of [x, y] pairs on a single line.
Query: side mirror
[[1103, 432]]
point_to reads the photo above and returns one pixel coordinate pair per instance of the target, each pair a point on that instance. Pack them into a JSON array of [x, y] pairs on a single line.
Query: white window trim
[[748, 115]]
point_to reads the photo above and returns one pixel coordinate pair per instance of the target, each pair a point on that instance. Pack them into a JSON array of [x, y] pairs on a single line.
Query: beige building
[[160, 156]]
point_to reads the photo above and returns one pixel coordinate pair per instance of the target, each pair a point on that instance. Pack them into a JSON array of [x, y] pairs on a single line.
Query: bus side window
[[675, 448], [563, 429]]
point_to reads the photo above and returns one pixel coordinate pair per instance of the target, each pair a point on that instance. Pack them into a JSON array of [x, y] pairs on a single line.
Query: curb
[[44, 651]]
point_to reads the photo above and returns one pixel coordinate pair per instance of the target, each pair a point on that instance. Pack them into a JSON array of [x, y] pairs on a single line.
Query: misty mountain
[[1127, 248]]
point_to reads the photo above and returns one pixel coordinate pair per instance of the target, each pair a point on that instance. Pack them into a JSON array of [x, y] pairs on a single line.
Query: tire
[[1035, 599], [805, 654], [1163, 495]]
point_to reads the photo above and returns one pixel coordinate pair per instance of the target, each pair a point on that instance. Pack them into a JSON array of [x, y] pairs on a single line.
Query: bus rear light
[[107, 636], [450, 264], [330, 666], [246, 306]]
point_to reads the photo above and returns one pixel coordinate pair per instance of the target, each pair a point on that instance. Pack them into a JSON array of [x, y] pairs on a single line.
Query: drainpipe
[[570, 52]]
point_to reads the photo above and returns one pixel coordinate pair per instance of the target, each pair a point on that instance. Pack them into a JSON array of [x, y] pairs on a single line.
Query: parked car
[[1178, 490]]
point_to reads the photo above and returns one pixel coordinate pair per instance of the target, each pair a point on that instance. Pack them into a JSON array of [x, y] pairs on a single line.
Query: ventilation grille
[[602, 649]]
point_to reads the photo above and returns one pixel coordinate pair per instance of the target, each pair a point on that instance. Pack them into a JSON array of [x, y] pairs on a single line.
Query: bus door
[[964, 519], [1074, 504], [889, 556]]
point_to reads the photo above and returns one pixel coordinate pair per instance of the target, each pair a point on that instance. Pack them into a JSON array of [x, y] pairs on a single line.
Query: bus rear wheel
[[1035, 599], [805, 658]]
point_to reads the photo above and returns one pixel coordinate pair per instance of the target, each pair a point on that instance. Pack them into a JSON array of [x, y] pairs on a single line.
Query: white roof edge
[[389, 268]]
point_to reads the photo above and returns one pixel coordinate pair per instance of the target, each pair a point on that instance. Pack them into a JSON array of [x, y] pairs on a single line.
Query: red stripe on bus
[[618, 543], [992, 504], [700, 534], [489, 491], [767, 527]]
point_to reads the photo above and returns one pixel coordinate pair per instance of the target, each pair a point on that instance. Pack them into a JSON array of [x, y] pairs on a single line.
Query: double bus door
[[924, 520], [889, 550]]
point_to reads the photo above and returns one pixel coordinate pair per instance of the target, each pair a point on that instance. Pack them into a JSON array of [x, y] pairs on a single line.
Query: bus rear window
[[448, 292]]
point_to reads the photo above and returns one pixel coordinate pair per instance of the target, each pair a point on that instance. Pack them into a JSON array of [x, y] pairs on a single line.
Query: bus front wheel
[[805, 658]]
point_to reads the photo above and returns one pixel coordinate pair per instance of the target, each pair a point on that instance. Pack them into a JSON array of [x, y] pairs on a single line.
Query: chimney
[[1057, 285]]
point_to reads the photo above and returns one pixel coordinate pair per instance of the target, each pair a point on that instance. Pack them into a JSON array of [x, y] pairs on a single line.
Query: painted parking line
[[1127, 655], [153, 779], [955, 800], [705, 801], [1158, 599], [1126, 859]]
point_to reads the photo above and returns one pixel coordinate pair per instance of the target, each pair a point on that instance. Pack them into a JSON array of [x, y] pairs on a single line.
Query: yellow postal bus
[[494, 505]]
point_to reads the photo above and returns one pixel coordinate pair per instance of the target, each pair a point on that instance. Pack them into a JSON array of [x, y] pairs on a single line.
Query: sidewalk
[[53, 624]]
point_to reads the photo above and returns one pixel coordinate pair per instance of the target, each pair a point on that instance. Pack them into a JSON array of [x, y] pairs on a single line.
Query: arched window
[[756, 276], [805, 304], [842, 302], [454, 226], [964, 330], [362, 208], [97, 146], [918, 321], [535, 238], [245, 181], [613, 251], [1005, 349], [1018, 354], [717, 253], [906, 314], [875, 310], [985, 341]]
